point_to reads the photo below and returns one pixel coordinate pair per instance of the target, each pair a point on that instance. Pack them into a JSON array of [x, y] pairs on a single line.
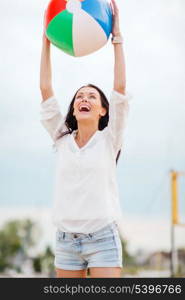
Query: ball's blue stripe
[[100, 10]]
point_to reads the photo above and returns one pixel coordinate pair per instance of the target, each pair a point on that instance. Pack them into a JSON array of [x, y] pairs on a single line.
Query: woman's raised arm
[[51, 117], [119, 100], [45, 70], [119, 59]]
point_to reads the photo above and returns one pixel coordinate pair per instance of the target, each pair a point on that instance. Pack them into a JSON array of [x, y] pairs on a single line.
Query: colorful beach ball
[[78, 27]]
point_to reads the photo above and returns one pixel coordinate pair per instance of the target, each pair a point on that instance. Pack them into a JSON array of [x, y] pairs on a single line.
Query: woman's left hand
[[115, 26]]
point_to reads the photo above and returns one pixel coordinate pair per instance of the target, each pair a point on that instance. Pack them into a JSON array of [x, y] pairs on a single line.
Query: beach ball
[[78, 27]]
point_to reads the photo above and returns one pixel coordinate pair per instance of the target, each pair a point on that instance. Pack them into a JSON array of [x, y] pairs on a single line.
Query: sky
[[154, 139]]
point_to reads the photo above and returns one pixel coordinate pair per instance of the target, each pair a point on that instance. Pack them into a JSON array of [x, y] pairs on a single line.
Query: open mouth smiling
[[84, 108]]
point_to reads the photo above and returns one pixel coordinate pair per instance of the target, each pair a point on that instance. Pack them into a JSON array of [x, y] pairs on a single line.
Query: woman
[[88, 143]]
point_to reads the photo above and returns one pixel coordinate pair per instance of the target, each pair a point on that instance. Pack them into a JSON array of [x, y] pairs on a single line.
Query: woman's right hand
[[116, 24]]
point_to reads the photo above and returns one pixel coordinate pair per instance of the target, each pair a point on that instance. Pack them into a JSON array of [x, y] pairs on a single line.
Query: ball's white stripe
[[73, 6], [88, 35]]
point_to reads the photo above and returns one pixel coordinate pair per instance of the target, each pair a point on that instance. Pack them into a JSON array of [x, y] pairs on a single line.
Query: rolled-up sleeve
[[118, 113], [51, 117]]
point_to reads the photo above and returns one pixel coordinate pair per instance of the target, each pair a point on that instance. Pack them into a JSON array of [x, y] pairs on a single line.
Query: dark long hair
[[71, 121]]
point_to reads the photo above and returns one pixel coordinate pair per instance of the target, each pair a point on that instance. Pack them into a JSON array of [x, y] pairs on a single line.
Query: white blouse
[[86, 194]]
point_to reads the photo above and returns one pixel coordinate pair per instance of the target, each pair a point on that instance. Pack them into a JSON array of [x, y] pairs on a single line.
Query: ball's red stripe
[[54, 8]]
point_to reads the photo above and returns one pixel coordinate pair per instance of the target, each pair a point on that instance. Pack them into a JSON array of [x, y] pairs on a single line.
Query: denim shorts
[[78, 251]]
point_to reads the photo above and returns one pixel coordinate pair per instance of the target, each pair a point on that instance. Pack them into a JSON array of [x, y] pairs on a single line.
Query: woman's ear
[[103, 112]]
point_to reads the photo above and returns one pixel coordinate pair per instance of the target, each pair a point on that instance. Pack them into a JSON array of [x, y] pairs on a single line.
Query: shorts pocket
[[104, 237]]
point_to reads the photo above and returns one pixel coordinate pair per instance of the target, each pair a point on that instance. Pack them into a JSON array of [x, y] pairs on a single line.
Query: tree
[[47, 261], [128, 259], [17, 237]]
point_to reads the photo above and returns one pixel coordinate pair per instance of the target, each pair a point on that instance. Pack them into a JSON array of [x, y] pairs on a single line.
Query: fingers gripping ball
[[78, 27]]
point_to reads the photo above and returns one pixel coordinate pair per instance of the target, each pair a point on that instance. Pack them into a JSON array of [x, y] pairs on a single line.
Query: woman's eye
[[90, 97]]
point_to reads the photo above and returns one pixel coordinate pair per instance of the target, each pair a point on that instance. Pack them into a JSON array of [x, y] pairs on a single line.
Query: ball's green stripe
[[59, 31]]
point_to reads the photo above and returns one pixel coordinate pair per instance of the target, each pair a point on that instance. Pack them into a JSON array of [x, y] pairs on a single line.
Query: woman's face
[[87, 105]]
